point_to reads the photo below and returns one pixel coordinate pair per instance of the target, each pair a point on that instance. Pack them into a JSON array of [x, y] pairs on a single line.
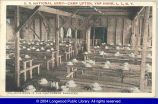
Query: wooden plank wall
[[52, 29], [111, 30], [118, 28], [127, 31]]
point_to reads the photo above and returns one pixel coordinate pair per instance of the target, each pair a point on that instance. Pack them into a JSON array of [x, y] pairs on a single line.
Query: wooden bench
[[30, 69], [71, 74]]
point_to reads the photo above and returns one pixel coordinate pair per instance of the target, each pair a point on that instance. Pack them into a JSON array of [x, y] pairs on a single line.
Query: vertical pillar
[[138, 34], [48, 30], [144, 45], [40, 23], [133, 35], [93, 36], [76, 48], [115, 34], [17, 51], [123, 33], [57, 40], [88, 39]]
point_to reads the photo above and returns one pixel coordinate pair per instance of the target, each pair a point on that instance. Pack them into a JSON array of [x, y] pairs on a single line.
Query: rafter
[[54, 11], [34, 11]]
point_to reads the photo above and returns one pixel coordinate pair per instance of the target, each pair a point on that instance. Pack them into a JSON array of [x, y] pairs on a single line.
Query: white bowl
[[33, 48], [134, 90], [29, 88], [119, 44], [117, 54], [70, 63], [28, 49], [128, 45], [74, 60], [148, 68], [111, 43], [71, 84], [43, 81], [87, 65], [48, 50], [27, 56], [125, 68], [106, 47], [97, 89], [95, 85], [117, 48], [52, 49], [24, 47], [90, 62], [106, 66], [42, 48], [86, 53], [37, 50], [64, 88], [108, 62], [128, 48], [20, 58], [149, 56], [101, 53]]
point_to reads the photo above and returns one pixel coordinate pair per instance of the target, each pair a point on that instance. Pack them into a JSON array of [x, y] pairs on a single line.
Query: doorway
[[99, 33]]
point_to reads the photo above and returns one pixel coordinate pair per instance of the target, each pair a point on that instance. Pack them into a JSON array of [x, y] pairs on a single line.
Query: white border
[[79, 94]]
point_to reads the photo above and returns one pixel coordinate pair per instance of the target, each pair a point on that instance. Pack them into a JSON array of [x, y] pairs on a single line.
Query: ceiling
[[86, 11], [107, 11]]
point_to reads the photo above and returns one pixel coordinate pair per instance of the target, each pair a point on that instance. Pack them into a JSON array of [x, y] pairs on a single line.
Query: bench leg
[[52, 63], [48, 68], [38, 69], [25, 76], [65, 57], [30, 74]]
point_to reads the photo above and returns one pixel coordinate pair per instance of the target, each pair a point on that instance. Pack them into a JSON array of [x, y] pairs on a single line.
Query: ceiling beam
[[105, 13], [54, 11]]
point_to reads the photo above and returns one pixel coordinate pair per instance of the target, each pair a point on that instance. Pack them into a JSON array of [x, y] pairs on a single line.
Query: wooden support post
[[38, 70], [57, 40], [40, 23], [133, 35], [76, 48], [88, 39], [123, 33], [115, 36], [140, 31], [24, 68], [17, 50], [145, 36], [138, 35], [93, 36]]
